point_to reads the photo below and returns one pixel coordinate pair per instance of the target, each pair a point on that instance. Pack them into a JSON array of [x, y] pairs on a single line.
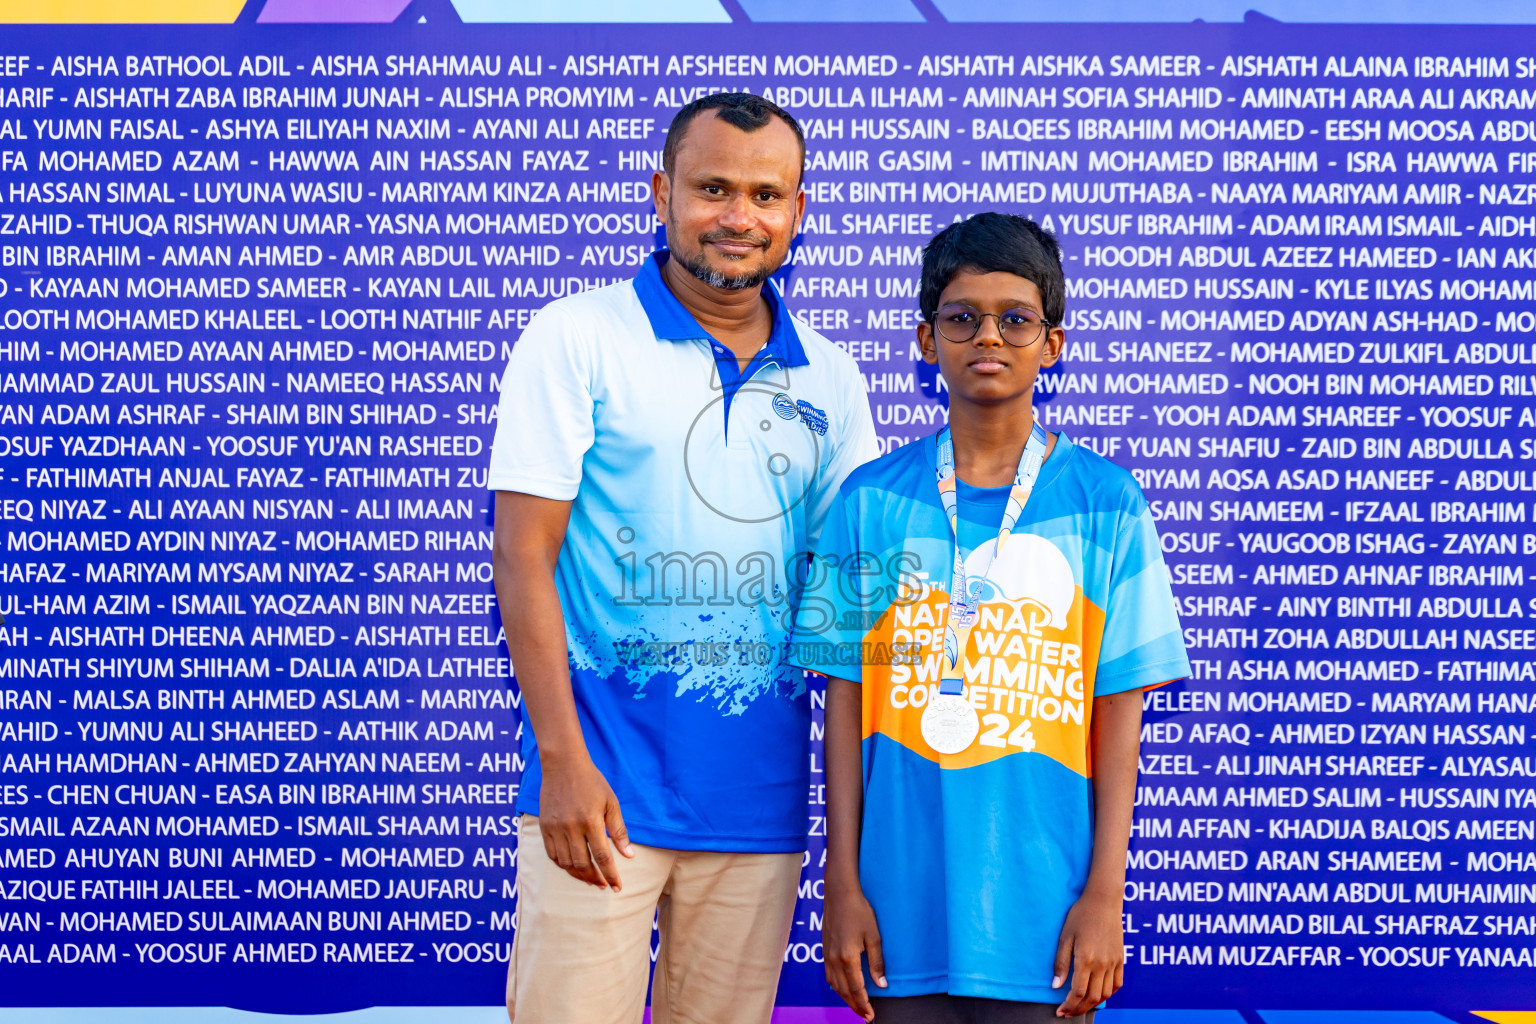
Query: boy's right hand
[[848, 931], [578, 815]]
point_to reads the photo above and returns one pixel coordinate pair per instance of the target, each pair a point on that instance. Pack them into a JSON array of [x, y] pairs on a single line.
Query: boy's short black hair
[[991, 242], [739, 109]]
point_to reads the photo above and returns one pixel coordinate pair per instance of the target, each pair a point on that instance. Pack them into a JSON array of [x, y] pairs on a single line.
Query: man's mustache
[[761, 241]]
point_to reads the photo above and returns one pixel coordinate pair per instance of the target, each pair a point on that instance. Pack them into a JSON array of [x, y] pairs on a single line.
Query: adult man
[[665, 453]]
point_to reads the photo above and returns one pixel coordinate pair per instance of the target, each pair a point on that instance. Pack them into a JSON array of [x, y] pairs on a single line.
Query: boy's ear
[[1055, 341], [925, 342]]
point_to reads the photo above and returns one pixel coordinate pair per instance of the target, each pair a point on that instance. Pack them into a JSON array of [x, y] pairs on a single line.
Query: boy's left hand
[[1092, 944]]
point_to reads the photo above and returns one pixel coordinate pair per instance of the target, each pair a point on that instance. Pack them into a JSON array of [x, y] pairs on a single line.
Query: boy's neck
[[989, 440]]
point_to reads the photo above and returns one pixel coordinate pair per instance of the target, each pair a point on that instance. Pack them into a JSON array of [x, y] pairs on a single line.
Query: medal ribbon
[[965, 593]]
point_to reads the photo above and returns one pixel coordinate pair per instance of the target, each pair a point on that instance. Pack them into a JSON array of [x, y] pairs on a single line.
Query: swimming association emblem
[[814, 418], [784, 407]]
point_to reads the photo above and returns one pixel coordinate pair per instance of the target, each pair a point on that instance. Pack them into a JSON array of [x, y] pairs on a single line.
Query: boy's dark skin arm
[[848, 929], [990, 413], [1092, 940]]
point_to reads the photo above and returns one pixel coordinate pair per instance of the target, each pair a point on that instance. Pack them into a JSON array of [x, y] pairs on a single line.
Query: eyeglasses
[[1019, 327]]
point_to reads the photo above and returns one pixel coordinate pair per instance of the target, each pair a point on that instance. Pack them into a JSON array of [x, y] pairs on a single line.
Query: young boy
[[983, 704]]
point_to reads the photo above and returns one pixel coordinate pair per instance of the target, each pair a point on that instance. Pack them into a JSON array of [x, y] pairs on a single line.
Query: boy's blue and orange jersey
[[972, 860]]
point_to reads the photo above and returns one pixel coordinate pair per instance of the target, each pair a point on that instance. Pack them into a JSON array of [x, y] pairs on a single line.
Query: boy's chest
[[1028, 656], [1027, 677], [1044, 566], [1026, 603]]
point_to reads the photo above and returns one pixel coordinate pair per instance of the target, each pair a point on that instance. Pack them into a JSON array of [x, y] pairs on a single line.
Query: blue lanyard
[[965, 592]]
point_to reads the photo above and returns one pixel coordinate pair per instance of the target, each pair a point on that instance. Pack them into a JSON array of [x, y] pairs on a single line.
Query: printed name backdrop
[[258, 732]]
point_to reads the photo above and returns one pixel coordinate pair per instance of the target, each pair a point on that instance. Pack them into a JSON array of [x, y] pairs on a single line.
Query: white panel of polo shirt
[[596, 409], [683, 536]]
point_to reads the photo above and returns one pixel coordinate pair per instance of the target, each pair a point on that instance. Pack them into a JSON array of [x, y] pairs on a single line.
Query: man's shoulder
[[578, 308], [824, 355]]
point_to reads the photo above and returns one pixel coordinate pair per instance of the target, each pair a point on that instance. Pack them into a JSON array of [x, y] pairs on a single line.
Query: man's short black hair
[[738, 109], [991, 242]]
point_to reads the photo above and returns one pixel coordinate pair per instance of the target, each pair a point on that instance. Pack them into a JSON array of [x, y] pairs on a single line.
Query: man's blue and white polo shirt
[[697, 492]]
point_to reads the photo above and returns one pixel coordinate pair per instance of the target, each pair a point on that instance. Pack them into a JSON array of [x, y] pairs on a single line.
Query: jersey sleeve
[[544, 422], [1142, 644], [853, 446], [833, 604]]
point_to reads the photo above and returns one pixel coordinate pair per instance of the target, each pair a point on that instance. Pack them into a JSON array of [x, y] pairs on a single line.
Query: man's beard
[[719, 278]]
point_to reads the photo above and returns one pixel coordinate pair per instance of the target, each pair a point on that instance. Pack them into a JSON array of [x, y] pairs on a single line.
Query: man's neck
[[738, 317], [989, 440]]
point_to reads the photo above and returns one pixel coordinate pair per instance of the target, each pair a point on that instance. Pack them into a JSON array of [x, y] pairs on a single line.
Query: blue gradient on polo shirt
[[675, 577]]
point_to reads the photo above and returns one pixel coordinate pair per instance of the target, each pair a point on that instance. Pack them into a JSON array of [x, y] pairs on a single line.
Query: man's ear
[[1055, 341], [799, 211], [925, 342], [661, 193]]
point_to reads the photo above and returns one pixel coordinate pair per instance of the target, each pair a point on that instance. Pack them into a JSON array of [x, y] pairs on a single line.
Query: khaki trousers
[[582, 955]]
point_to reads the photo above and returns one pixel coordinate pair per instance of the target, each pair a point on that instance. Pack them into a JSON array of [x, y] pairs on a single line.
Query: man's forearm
[[579, 816], [523, 569]]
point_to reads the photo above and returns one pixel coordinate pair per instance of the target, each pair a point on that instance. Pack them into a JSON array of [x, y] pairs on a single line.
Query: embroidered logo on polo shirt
[[810, 415], [784, 406]]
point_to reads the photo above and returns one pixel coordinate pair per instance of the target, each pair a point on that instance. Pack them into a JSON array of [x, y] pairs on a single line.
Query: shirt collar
[[671, 321], [1050, 469]]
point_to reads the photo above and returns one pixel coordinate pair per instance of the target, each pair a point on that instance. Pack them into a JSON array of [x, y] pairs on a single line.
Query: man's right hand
[[578, 813], [578, 816]]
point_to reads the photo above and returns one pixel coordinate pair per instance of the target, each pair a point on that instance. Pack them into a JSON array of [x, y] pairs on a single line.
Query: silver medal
[[950, 723]]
